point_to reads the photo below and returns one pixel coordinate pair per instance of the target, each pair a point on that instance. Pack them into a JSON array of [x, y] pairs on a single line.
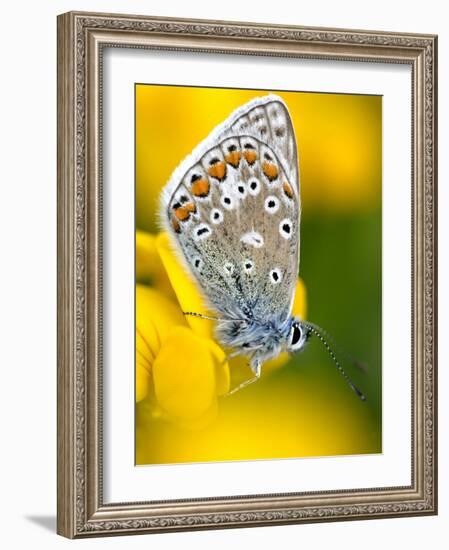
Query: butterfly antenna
[[319, 334], [210, 318], [337, 349]]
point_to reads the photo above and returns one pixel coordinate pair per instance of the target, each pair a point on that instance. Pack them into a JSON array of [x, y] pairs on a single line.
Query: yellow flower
[[149, 267], [180, 369]]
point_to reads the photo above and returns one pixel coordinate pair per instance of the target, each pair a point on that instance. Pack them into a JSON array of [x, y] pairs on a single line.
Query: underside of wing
[[267, 118], [234, 214]]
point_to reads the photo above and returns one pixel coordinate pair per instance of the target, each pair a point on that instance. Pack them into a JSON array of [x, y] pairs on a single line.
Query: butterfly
[[232, 209]]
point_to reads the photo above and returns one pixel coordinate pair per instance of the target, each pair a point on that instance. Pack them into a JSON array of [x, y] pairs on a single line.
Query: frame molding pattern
[[81, 37]]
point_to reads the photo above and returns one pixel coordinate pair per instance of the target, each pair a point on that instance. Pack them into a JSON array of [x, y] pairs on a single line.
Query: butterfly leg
[[256, 367]]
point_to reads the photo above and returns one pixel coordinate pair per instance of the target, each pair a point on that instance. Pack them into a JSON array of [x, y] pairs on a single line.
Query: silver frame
[[81, 40]]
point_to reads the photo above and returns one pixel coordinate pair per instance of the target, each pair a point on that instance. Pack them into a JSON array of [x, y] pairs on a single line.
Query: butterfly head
[[297, 335]]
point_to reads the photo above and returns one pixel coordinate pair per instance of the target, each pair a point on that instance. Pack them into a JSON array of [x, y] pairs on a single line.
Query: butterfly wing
[[267, 118], [233, 210]]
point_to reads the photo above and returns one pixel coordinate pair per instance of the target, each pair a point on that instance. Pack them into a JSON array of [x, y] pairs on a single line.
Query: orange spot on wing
[[233, 158], [250, 156], [175, 225], [270, 170], [288, 189], [217, 170], [200, 188], [182, 213], [191, 207]]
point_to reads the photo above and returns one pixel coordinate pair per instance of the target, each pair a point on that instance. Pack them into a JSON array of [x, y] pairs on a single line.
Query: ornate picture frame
[[82, 40]]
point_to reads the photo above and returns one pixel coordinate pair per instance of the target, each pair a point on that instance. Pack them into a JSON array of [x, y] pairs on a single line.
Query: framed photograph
[[246, 274]]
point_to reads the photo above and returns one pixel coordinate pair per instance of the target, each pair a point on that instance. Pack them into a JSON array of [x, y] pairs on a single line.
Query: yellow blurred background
[[303, 408]]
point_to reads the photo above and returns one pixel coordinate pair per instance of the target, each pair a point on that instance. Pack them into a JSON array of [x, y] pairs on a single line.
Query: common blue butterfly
[[232, 208]]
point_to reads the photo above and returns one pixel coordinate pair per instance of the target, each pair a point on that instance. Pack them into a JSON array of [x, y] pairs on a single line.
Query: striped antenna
[[313, 329]]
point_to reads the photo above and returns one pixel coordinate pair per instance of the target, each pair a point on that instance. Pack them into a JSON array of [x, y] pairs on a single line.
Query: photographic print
[[258, 274]]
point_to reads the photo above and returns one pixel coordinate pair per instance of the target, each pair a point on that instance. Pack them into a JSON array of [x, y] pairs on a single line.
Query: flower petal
[[156, 315], [143, 381], [186, 289], [149, 268], [222, 374], [300, 301], [184, 375]]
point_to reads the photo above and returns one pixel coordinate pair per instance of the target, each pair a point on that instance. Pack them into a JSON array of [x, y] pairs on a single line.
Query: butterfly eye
[[296, 339]]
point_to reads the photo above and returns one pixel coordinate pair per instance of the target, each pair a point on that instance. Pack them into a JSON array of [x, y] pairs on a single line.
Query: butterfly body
[[260, 340]]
